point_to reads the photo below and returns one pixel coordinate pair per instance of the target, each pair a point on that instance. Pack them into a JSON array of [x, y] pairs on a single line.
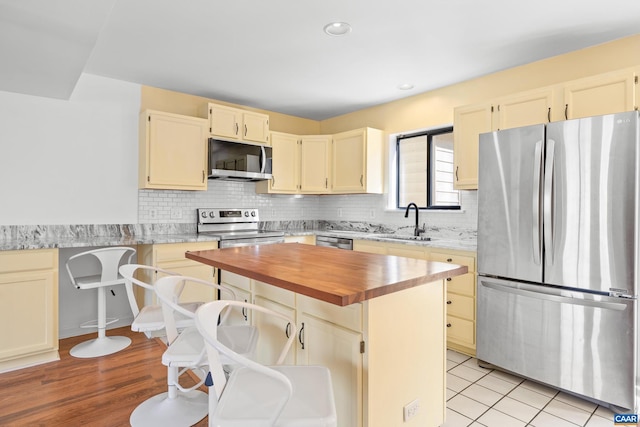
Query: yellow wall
[[190, 105], [435, 107]]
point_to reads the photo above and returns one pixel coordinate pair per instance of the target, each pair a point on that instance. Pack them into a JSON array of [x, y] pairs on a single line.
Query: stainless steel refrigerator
[[558, 237]]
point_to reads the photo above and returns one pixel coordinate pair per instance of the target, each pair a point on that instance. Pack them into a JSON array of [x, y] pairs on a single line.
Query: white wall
[[70, 162]]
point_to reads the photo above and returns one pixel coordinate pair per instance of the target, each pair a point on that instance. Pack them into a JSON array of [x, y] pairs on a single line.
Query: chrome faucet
[[417, 230]]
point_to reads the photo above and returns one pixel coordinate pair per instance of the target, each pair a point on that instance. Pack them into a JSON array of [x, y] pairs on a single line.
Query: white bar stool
[[109, 259]]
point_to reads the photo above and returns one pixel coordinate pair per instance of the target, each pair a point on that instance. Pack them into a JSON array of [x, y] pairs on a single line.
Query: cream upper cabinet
[[28, 308], [235, 123], [602, 94], [468, 123], [314, 163], [356, 161], [285, 165], [523, 109], [173, 151]]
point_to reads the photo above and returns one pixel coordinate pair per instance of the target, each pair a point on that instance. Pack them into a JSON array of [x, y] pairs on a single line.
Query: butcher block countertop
[[336, 276]]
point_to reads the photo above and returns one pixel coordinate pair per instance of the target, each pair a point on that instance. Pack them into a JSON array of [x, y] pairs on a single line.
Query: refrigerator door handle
[[556, 298], [537, 220], [548, 201]]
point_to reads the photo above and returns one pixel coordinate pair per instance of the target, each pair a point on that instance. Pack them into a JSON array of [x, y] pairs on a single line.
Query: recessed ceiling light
[[405, 86], [337, 28]]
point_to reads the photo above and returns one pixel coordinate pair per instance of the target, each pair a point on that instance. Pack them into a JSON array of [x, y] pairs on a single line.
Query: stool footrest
[[94, 323]]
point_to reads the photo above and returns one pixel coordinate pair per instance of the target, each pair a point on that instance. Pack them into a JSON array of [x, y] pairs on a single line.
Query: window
[[425, 170]]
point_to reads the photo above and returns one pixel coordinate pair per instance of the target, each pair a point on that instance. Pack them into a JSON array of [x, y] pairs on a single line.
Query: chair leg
[[102, 345], [172, 408]]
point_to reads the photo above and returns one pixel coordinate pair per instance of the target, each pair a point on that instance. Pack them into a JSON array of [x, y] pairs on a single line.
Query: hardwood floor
[[101, 391]]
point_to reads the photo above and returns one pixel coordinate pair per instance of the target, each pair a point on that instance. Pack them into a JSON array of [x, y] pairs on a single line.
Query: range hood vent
[[239, 161]]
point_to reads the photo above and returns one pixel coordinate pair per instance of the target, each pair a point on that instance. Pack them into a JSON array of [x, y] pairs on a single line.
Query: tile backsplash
[[166, 206]]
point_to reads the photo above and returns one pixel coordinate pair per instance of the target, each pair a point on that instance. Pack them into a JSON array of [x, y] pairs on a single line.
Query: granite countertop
[[461, 243], [74, 236]]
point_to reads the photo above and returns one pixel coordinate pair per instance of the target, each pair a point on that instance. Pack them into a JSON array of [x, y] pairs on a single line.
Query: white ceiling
[[273, 54]]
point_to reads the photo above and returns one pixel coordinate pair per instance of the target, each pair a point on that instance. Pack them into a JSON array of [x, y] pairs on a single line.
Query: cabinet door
[[285, 163], [273, 332], [603, 94], [255, 127], [243, 316], [348, 162], [468, 123], [314, 165], [224, 121], [176, 153], [172, 257], [338, 349], [524, 109], [28, 307]]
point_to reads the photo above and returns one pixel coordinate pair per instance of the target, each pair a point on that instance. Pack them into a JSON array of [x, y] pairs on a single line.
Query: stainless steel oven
[[236, 227]]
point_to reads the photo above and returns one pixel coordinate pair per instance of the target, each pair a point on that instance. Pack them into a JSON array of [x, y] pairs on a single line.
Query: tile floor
[[479, 397]]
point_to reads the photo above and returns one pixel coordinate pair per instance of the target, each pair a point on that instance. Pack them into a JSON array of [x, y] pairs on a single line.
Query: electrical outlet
[[176, 213], [153, 214], [372, 213], [411, 410], [339, 212]]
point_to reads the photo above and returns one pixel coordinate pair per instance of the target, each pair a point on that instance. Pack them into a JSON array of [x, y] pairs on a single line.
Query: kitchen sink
[[403, 237]]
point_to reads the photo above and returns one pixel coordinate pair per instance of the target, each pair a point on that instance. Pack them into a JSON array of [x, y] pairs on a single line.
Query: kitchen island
[[377, 322]]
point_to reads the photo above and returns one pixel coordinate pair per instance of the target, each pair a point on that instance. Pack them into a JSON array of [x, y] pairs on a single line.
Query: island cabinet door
[[274, 332], [324, 343]]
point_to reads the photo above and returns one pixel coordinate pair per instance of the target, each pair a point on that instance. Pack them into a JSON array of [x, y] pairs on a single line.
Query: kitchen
[[100, 122]]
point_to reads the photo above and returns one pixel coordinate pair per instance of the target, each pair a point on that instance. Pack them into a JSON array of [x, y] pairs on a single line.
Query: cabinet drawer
[[233, 279], [175, 252], [464, 285], [461, 330], [461, 306], [28, 260], [349, 316], [274, 293], [469, 261]]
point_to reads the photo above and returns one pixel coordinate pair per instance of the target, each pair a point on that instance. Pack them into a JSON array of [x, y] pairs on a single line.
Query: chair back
[[128, 272], [109, 258], [169, 288], [207, 323]]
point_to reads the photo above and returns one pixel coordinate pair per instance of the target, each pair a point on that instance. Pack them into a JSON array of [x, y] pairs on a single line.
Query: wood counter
[[328, 274]]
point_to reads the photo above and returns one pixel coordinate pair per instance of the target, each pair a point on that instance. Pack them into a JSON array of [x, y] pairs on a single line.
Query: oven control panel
[[222, 216]]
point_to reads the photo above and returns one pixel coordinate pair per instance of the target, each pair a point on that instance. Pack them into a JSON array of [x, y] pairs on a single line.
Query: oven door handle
[[238, 243]]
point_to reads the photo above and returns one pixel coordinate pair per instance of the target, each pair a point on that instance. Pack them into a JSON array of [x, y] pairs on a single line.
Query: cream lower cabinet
[[461, 290], [332, 336], [172, 152], [28, 308], [461, 301], [366, 350], [171, 256]]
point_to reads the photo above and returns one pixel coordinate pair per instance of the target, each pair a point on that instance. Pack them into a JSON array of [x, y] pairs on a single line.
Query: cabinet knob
[[448, 325], [448, 279], [449, 259], [448, 302]]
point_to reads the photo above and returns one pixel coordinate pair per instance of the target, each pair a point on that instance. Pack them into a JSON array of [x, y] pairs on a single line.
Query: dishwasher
[[334, 242]]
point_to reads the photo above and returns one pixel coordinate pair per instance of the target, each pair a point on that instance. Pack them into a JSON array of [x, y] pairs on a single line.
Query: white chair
[[149, 318], [110, 259], [256, 395], [181, 406]]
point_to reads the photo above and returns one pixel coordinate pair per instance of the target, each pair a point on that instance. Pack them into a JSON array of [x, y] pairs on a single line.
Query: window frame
[[429, 134]]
